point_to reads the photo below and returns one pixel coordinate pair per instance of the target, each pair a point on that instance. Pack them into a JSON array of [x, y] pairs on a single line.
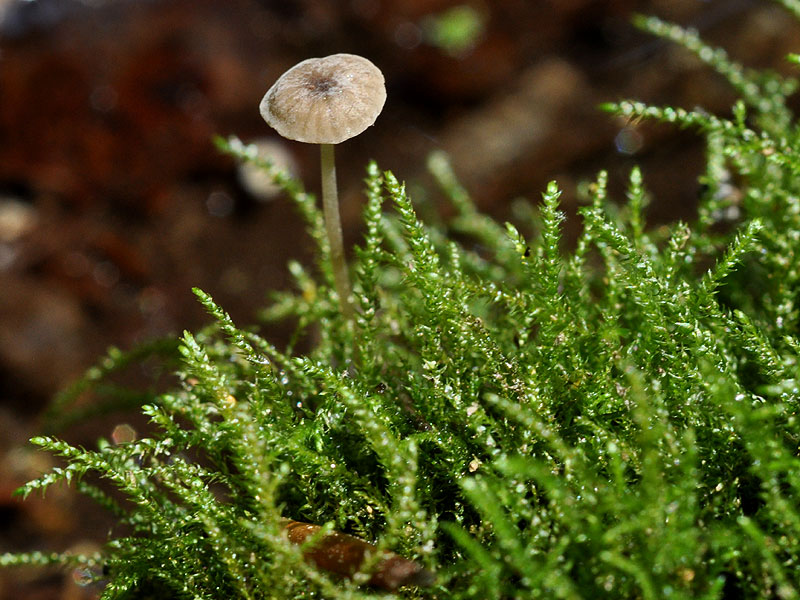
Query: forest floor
[[114, 201]]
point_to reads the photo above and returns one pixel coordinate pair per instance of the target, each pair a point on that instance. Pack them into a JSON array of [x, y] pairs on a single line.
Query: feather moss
[[616, 421]]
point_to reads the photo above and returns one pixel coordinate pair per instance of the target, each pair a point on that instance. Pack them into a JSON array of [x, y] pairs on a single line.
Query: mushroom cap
[[325, 100]]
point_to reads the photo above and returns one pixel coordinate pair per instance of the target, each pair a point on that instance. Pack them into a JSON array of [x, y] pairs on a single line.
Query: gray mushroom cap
[[325, 100]]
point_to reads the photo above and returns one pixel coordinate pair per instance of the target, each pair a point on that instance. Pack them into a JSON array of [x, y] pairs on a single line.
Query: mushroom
[[326, 101], [259, 183]]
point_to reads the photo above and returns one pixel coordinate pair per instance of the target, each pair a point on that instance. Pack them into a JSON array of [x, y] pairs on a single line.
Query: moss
[[619, 421]]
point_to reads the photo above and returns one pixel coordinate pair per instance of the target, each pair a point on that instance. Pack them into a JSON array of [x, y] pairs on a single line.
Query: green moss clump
[[619, 421]]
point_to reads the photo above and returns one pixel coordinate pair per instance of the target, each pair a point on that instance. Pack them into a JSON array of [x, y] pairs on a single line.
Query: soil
[[114, 201]]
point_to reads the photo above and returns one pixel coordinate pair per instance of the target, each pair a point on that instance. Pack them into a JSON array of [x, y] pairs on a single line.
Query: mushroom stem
[[333, 226]]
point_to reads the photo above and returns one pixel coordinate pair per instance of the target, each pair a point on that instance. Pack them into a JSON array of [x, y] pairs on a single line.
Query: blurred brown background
[[114, 203]]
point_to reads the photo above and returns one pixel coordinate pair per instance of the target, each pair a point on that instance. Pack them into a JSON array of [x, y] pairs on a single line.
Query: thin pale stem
[[333, 226]]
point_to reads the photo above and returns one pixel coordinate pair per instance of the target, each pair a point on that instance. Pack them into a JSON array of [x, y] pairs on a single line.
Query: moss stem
[[333, 226]]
